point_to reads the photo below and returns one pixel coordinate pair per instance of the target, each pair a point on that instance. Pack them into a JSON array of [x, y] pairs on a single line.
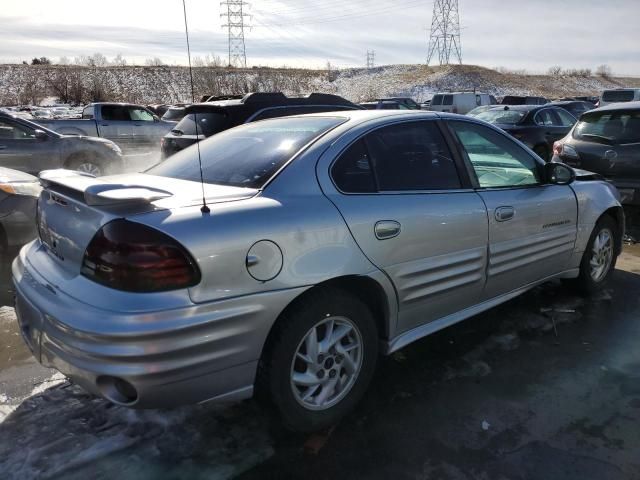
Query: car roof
[[619, 106]]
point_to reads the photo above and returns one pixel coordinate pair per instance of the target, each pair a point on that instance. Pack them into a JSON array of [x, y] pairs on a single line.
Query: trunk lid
[[73, 206], [610, 161]]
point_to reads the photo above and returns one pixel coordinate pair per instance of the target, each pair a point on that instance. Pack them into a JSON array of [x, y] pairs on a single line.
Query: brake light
[[132, 257], [557, 148]]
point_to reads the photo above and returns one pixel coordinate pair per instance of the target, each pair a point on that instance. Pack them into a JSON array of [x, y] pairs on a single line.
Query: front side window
[[437, 100], [140, 115], [447, 100], [246, 156], [411, 156], [87, 113], [497, 160], [15, 131]]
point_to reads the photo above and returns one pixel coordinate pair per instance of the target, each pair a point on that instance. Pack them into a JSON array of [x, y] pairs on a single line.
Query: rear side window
[[115, 113], [208, 124], [618, 95], [447, 100], [411, 156], [247, 156], [566, 119], [352, 172]]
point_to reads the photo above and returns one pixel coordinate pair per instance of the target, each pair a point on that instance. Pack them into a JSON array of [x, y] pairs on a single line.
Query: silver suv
[[325, 240]]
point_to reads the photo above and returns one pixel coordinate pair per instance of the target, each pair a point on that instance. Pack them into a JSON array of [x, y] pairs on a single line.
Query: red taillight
[[557, 148], [132, 257]]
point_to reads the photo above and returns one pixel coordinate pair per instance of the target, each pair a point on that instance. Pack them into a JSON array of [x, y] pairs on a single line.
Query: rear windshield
[[501, 116], [511, 100], [618, 95], [246, 156], [609, 127], [208, 124]]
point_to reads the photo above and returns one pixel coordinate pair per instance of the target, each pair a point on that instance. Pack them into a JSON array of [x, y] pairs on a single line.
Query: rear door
[[145, 132], [116, 125], [551, 125], [411, 211], [532, 226]]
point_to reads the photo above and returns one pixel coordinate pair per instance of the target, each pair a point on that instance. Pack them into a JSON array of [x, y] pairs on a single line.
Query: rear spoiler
[[99, 193]]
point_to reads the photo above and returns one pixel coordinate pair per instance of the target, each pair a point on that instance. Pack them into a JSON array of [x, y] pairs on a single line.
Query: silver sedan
[[313, 244]]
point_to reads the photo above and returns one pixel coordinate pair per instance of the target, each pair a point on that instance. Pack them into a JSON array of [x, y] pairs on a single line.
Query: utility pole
[[371, 58], [445, 32], [234, 16]]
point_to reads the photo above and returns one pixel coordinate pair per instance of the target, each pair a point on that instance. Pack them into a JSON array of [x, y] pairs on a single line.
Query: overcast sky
[[529, 34]]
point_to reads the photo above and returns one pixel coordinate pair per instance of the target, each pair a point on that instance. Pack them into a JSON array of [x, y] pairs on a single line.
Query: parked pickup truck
[[132, 127]]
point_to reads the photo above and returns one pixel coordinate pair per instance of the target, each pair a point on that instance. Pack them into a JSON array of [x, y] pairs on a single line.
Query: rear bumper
[[175, 357]]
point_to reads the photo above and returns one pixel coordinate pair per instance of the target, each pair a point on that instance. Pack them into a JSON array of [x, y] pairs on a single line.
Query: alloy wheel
[[601, 255]]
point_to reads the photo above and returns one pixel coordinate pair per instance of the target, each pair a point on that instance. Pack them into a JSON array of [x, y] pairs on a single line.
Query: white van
[[460, 102], [619, 95]]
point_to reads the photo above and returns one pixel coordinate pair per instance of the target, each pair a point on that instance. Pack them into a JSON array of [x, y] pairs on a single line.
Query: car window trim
[[466, 185], [472, 171]]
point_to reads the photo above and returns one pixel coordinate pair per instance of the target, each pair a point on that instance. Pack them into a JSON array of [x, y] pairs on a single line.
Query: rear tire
[[599, 259], [311, 382]]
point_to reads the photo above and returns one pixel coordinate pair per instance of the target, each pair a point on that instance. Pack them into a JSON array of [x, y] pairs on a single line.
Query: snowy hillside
[[23, 84]]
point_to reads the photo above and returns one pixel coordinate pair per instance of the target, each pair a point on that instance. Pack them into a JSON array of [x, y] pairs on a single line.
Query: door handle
[[502, 214], [386, 229]]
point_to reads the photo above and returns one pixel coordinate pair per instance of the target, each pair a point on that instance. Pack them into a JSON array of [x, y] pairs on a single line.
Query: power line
[[445, 32], [235, 16]]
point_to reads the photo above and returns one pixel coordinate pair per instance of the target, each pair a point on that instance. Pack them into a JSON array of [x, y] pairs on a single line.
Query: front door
[[21, 150], [116, 125], [532, 225], [401, 195]]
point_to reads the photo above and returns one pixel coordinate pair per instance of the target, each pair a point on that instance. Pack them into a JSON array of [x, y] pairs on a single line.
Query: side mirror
[[41, 135], [559, 173]]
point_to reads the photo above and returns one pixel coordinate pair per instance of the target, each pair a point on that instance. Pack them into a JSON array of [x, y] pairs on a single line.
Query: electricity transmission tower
[[445, 32], [235, 16], [371, 58]]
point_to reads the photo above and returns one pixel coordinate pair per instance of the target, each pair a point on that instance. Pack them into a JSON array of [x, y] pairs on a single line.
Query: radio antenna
[[205, 208]]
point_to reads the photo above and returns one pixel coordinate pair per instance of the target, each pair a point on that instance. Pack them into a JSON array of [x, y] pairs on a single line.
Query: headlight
[[31, 189]]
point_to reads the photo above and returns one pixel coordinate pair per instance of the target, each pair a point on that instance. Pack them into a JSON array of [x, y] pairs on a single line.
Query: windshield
[[609, 127], [618, 96], [246, 156], [208, 124], [502, 116]]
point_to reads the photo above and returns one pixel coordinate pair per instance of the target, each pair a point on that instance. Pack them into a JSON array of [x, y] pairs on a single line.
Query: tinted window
[[246, 156], [609, 127], [497, 160], [566, 119], [546, 118], [411, 156], [436, 100], [301, 110], [115, 112], [618, 95], [352, 172], [208, 124], [447, 100], [511, 100], [138, 114]]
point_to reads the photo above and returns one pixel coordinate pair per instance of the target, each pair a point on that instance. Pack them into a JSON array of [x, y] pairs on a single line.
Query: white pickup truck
[[132, 127]]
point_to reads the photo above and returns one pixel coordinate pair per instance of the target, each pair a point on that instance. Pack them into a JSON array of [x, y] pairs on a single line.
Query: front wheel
[[320, 360], [599, 259], [86, 165]]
